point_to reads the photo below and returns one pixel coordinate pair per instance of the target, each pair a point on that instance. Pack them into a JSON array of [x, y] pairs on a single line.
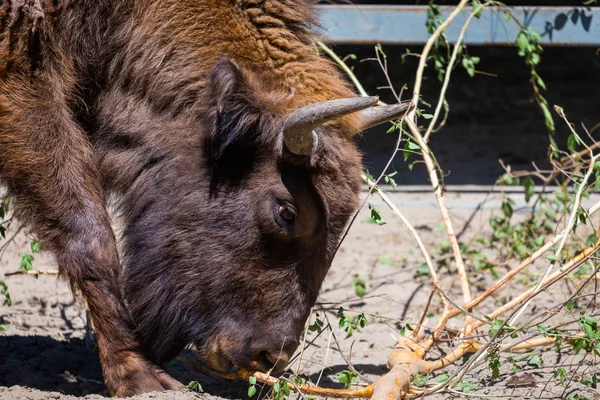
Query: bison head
[[229, 245]]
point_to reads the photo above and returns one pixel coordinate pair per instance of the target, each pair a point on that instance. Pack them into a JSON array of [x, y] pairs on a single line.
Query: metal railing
[[369, 24]]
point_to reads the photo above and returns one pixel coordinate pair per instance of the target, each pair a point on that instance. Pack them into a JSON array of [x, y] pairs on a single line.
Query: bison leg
[[48, 165]]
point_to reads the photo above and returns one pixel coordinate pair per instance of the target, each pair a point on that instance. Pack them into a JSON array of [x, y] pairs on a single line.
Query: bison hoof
[[139, 376]]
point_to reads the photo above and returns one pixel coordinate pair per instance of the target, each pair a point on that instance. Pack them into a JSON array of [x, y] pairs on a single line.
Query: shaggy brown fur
[[176, 108]]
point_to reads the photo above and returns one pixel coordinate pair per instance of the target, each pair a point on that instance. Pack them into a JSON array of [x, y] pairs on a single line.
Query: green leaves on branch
[[376, 215], [349, 325], [469, 64], [528, 44], [252, 387], [318, 325], [434, 19], [281, 390], [28, 258]]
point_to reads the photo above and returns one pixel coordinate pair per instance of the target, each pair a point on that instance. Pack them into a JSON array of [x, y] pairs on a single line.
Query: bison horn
[[299, 134], [374, 116]]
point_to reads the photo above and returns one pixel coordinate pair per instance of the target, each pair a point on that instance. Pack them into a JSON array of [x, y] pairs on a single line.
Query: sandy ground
[[44, 354]]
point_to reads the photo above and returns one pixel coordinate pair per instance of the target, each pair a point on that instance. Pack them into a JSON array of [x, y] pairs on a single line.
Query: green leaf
[[413, 146], [361, 320], [547, 117], [376, 215], [195, 387], [468, 65], [251, 391], [316, 327], [476, 9], [572, 143], [588, 331], [35, 246], [562, 374], [406, 328], [346, 377], [26, 262], [390, 180], [252, 379], [507, 208], [540, 83], [529, 186], [4, 292], [535, 360], [522, 41], [386, 260], [359, 284], [466, 387], [419, 380]]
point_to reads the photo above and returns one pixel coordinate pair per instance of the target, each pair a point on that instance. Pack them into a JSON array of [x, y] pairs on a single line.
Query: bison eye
[[286, 213]]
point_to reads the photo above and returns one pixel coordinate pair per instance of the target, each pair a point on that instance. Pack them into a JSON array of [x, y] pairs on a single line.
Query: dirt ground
[[44, 353]]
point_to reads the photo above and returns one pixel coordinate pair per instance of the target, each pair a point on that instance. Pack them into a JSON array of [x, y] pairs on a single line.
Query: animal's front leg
[[48, 164]]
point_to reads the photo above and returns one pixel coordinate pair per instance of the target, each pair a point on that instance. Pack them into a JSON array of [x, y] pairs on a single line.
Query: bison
[[225, 141]]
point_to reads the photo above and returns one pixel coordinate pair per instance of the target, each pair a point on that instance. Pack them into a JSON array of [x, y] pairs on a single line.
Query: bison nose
[[274, 358], [278, 359]]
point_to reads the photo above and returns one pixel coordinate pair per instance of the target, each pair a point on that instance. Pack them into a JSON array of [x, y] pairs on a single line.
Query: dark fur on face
[[208, 261], [176, 109]]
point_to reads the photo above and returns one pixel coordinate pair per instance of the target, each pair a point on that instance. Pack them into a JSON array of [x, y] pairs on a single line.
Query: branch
[[243, 374], [345, 67], [455, 52], [33, 273], [565, 270], [430, 164]]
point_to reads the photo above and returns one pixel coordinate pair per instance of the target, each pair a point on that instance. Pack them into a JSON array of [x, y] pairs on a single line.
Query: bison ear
[[233, 117]]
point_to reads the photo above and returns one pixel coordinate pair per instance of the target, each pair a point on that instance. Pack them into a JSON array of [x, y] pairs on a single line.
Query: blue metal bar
[[564, 26]]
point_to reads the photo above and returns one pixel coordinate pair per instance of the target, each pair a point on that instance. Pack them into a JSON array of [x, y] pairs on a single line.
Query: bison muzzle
[[225, 141]]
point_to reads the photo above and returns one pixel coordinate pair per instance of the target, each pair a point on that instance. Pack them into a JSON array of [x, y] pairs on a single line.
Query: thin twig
[[33, 273], [345, 67], [412, 231]]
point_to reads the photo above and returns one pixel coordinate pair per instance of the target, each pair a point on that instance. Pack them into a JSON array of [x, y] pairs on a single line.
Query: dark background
[[493, 115]]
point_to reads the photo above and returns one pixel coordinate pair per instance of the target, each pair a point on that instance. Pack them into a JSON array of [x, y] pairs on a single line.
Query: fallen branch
[[243, 374]]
